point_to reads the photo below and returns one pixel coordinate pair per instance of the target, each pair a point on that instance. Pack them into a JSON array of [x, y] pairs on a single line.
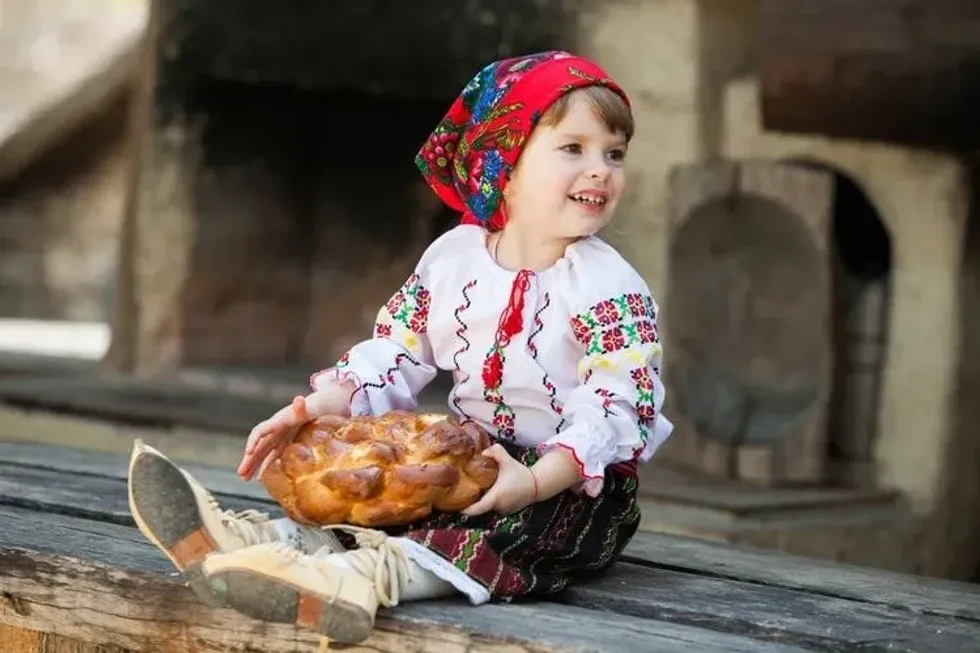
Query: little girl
[[551, 337]]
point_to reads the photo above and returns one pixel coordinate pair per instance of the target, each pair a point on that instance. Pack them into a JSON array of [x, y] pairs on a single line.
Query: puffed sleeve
[[614, 414], [391, 368]]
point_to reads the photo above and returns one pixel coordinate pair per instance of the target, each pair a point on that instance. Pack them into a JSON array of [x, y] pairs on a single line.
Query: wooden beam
[[772, 597], [118, 590], [917, 594], [899, 72], [803, 618]]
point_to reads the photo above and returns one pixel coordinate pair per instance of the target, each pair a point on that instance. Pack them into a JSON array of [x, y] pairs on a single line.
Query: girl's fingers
[[486, 502], [480, 507], [299, 409], [260, 431], [271, 458], [262, 447]]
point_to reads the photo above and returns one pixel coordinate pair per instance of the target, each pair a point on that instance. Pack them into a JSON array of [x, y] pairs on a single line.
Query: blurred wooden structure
[[898, 72], [271, 206]]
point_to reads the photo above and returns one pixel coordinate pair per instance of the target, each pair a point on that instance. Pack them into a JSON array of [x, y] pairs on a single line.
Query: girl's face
[[569, 177]]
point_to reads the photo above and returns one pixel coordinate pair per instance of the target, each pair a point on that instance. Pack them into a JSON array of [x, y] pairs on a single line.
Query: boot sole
[[267, 599], [171, 520]]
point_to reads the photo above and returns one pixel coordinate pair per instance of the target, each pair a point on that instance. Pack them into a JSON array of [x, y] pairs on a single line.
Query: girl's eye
[[617, 154], [572, 148]]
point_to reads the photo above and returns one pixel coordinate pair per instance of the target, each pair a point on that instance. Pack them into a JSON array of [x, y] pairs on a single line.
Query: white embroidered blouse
[[567, 357]]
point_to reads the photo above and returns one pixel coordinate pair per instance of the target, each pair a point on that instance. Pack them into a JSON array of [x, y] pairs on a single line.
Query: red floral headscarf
[[469, 157]]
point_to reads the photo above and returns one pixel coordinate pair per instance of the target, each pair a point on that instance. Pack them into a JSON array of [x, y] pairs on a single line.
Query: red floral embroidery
[[637, 306], [504, 421], [613, 339], [645, 412], [615, 324], [647, 331], [410, 305], [645, 408], [641, 376], [396, 302], [382, 330], [581, 330], [606, 313]]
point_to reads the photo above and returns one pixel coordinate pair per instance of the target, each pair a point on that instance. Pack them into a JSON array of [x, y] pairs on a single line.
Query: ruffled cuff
[[333, 376], [592, 449], [386, 377], [662, 429]]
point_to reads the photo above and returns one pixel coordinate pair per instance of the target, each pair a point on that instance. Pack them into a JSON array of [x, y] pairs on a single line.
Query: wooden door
[[747, 320]]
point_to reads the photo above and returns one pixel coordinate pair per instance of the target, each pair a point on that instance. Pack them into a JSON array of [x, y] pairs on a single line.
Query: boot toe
[[166, 511]]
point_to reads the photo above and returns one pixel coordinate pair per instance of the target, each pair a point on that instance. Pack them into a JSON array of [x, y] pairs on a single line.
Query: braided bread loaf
[[380, 471]]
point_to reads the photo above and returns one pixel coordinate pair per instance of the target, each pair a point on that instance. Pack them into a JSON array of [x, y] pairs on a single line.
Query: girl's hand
[[268, 439], [514, 489]]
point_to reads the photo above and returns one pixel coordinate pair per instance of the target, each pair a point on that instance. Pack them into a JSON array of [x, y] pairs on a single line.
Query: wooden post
[[121, 355]]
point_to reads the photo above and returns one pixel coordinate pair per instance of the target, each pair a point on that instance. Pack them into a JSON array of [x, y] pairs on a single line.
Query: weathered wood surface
[[692, 586], [905, 72], [917, 594], [114, 587]]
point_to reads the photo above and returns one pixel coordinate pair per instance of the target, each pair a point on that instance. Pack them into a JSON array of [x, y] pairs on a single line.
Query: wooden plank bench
[[75, 573]]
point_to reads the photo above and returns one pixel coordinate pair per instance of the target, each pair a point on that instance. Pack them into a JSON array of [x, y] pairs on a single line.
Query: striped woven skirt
[[539, 550]]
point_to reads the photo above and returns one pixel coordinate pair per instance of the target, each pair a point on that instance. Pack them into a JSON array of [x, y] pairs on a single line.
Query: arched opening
[[861, 265]]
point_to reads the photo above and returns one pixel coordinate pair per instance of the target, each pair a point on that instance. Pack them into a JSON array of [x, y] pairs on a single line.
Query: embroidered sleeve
[[614, 414], [391, 368]]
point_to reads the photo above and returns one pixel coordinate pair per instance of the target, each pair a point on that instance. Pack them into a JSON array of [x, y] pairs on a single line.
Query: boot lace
[[376, 558], [252, 526]]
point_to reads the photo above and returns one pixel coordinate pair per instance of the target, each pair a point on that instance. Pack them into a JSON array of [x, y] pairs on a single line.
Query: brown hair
[[608, 105]]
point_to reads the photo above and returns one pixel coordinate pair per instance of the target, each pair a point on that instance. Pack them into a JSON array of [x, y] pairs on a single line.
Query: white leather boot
[[334, 594], [178, 515]]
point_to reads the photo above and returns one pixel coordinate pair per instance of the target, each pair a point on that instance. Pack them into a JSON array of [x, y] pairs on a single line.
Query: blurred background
[[203, 202]]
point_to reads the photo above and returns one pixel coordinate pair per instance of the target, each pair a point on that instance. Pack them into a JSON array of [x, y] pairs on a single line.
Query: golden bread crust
[[389, 470]]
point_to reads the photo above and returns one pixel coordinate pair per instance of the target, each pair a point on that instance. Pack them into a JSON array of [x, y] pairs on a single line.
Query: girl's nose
[[599, 170]]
